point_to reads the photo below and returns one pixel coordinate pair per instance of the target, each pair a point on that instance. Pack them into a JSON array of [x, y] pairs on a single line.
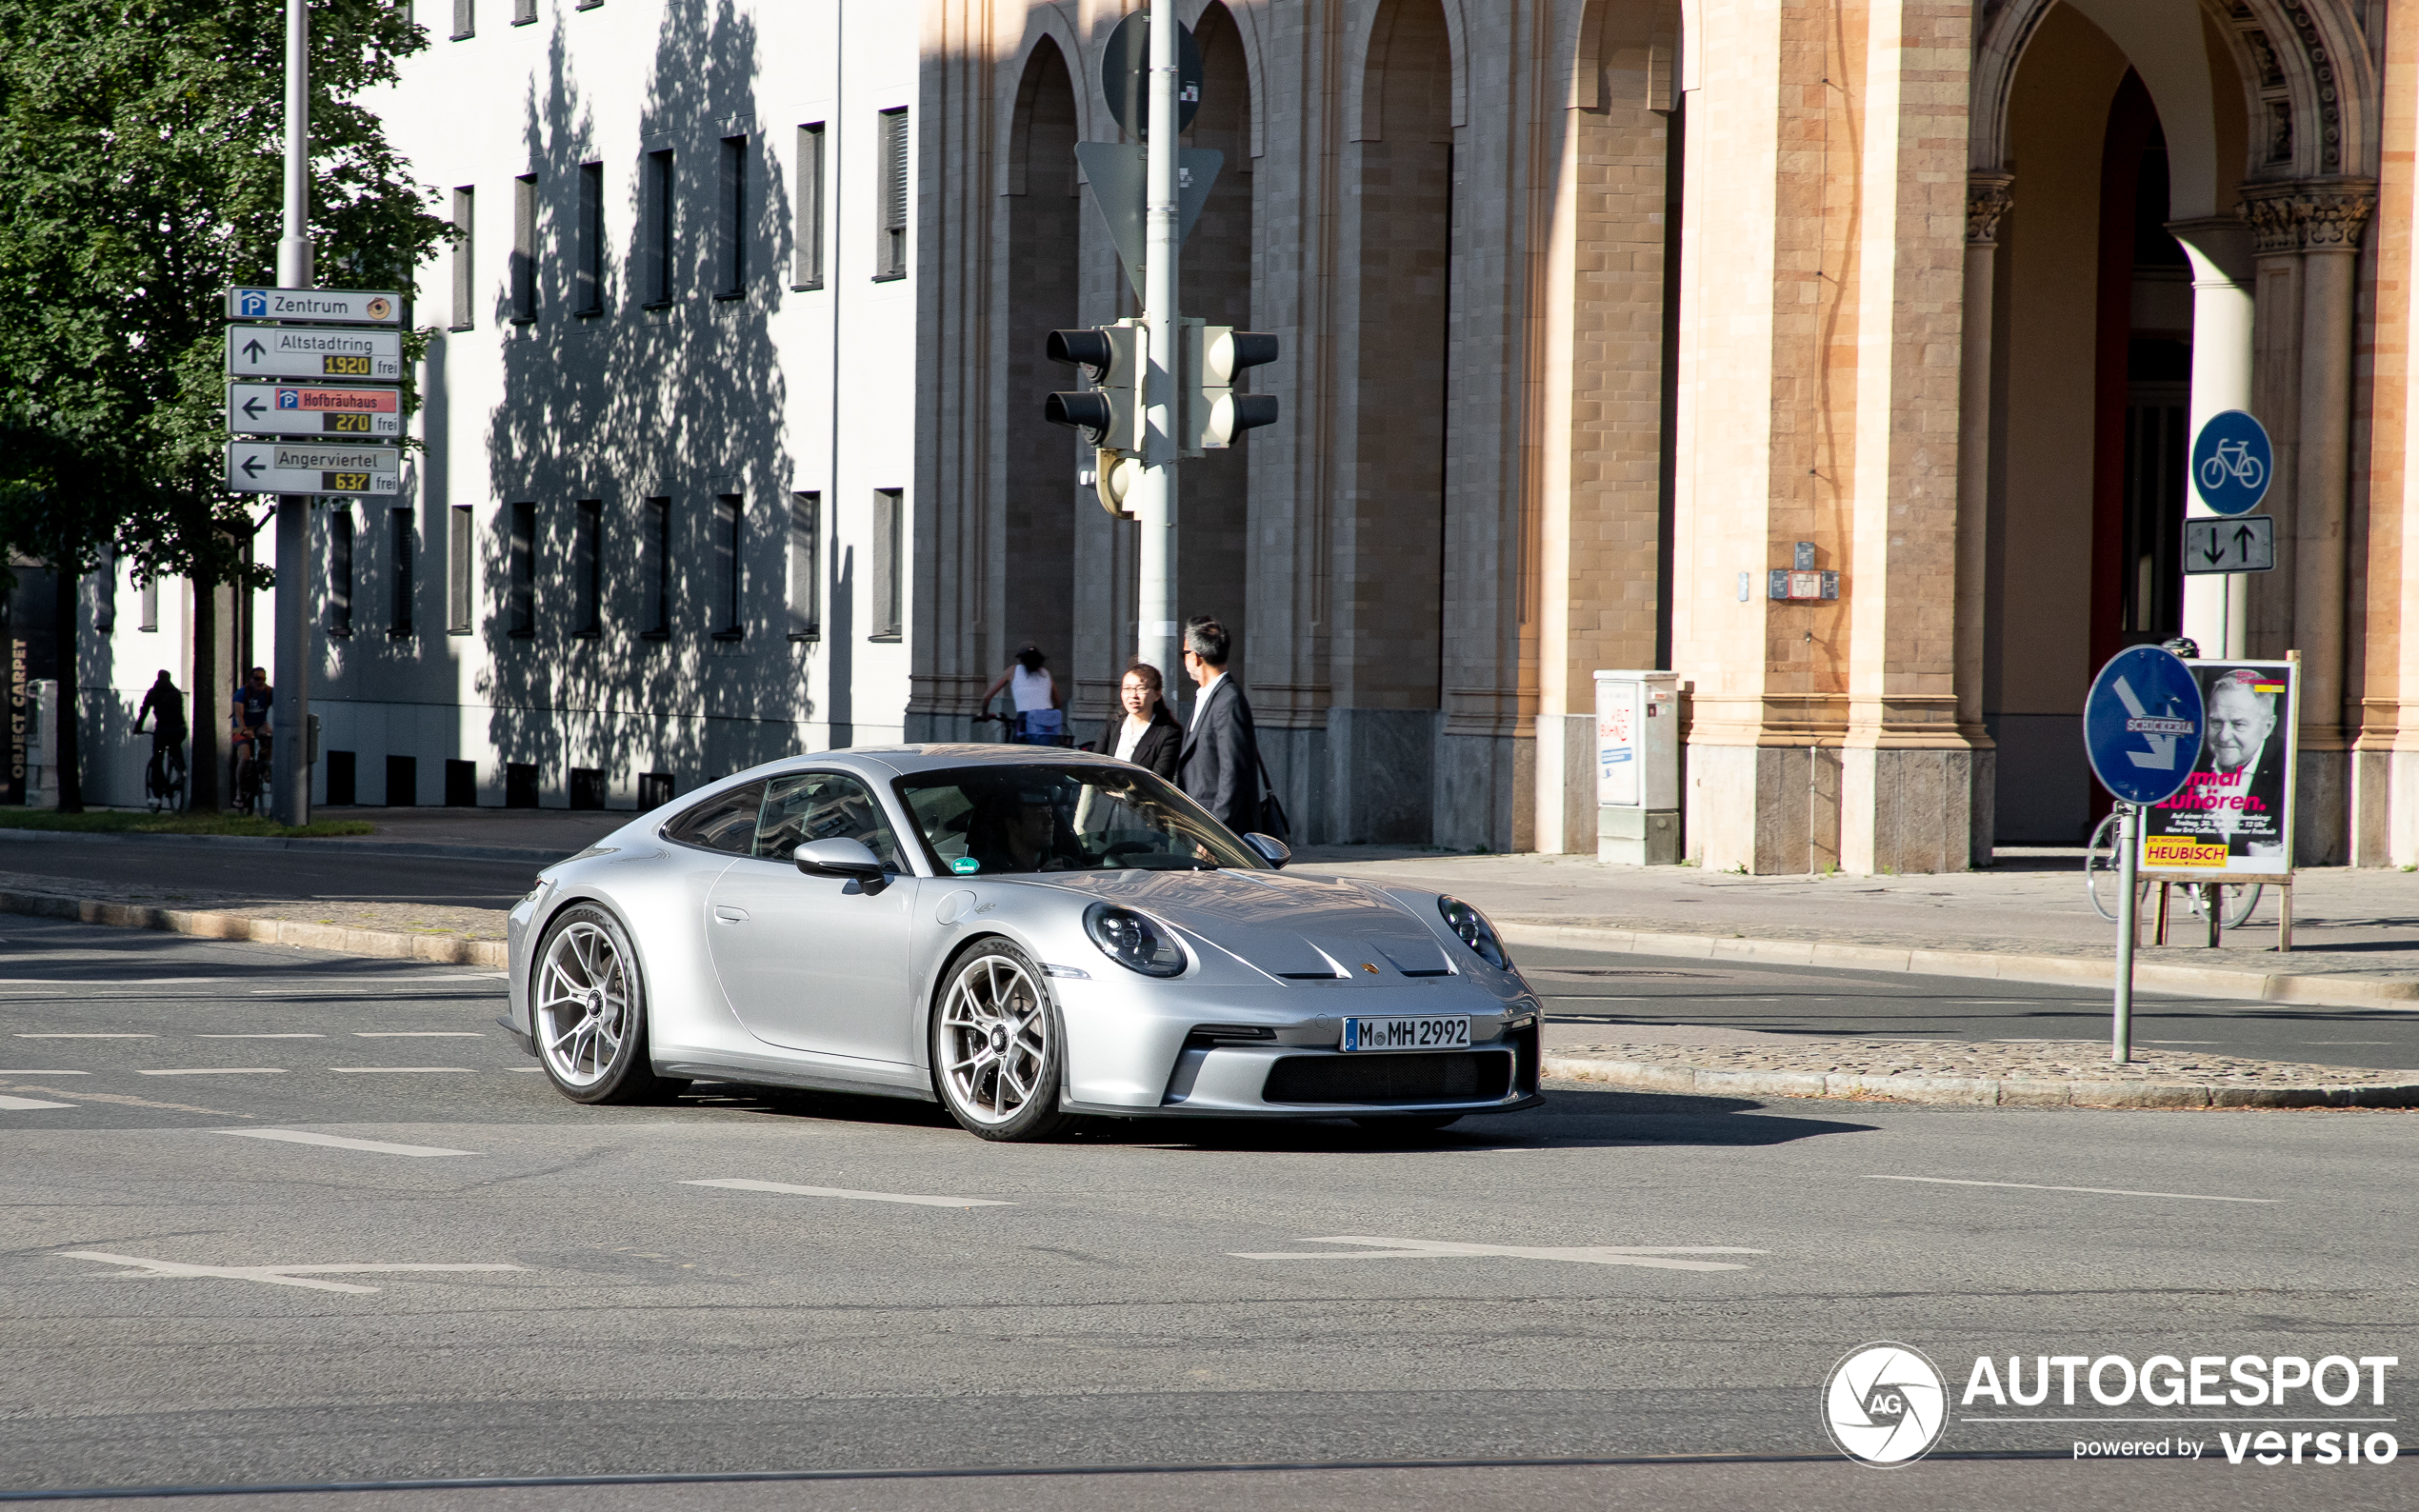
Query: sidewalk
[[2355, 932]]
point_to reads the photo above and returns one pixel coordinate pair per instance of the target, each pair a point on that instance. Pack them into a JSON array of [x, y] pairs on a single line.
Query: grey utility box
[[1638, 768]]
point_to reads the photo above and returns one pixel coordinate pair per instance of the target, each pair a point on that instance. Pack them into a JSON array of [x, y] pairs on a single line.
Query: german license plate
[[1404, 1033]]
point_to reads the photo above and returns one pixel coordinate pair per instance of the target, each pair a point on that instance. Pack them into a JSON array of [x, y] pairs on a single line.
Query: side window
[[823, 806], [725, 821]]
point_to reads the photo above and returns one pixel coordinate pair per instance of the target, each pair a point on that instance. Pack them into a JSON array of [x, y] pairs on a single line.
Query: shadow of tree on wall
[[684, 401]]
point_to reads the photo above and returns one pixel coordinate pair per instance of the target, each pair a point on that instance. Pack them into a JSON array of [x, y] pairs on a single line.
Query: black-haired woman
[[1142, 730]]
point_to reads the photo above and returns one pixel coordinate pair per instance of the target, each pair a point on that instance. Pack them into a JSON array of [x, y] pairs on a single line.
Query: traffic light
[[1109, 412], [1212, 358]]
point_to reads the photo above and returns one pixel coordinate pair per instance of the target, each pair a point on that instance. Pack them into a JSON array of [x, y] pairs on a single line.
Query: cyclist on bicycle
[[250, 723], [164, 704], [1041, 708]]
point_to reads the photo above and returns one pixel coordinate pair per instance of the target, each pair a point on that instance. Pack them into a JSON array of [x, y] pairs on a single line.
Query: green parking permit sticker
[[965, 864]]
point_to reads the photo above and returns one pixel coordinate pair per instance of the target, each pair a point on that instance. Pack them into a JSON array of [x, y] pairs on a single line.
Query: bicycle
[[1014, 731], [252, 772], [164, 780], [2101, 865], [2233, 460]]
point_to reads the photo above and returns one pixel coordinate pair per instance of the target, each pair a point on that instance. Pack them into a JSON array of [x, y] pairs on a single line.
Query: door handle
[[728, 914]]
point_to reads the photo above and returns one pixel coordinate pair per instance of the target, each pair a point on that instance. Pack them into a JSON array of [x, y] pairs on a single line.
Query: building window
[[807, 270], [105, 596], [729, 625], [731, 255], [890, 563], [806, 567], [659, 228], [889, 253], [457, 570], [524, 11], [588, 566], [147, 606], [465, 200], [588, 293], [655, 567], [523, 565], [340, 572], [400, 543], [525, 248], [466, 19]]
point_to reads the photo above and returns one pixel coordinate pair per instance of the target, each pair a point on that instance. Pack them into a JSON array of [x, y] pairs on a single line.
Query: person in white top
[[1040, 718]]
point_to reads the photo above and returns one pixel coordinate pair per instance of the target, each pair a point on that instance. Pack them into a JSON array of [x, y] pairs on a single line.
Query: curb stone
[[384, 945], [2211, 981], [338, 845], [1968, 1091]]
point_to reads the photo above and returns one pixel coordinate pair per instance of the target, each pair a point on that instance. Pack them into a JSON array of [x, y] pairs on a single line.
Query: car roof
[[900, 761]]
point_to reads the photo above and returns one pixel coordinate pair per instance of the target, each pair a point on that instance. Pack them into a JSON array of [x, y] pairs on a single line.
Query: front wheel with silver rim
[[998, 1054], [588, 1009]]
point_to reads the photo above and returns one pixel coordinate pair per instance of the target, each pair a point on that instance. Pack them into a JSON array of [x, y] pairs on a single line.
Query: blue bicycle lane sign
[[2233, 463], [2142, 724]]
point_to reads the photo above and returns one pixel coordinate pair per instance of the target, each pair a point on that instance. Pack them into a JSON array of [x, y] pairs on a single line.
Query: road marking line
[[220, 1070], [2096, 1191], [43, 1070], [395, 1071], [15, 1105], [88, 1036], [260, 1036], [525, 1070], [1651, 1257], [269, 1275], [338, 1141], [740, 1186], [417, 1034]]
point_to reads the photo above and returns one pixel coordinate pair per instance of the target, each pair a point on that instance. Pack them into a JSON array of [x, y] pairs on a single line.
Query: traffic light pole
[[1153, 498], [289, 716]]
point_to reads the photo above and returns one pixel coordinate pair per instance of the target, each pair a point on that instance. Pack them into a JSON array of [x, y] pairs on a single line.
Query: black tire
[[587, 1010], [985, 1069], [1408, 1123]]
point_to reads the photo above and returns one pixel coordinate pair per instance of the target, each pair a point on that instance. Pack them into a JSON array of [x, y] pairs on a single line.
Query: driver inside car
[[1017, 831]]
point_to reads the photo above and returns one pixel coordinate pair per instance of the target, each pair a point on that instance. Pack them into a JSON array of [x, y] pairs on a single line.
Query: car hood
[[1291, 926]]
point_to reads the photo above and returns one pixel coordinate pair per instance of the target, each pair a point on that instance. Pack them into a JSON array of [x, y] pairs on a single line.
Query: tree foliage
[[141, 150]]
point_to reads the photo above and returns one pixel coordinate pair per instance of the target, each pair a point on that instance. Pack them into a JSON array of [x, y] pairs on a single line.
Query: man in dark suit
[[1220, 763]]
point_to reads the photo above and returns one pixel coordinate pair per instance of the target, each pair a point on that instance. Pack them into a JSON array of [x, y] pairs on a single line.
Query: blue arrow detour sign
[[2142, 724], [2232, 462]]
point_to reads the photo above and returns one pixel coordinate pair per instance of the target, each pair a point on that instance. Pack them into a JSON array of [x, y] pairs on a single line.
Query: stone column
[[2216, 607], [1987, 197], [2317, 223]]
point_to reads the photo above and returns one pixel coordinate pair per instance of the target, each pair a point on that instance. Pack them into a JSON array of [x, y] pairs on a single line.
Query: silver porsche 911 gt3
[[1030, 935]]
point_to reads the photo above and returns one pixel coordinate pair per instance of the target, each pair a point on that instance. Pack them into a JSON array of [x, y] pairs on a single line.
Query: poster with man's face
[[2233, 814]]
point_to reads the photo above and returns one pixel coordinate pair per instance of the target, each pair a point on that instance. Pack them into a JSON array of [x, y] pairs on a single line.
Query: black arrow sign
[[2243, 539], [251, 468], [251, 407], [2216, 549], [253, 348]]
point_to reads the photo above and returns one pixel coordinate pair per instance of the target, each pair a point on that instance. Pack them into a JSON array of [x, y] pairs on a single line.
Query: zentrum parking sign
[[2142, 724]]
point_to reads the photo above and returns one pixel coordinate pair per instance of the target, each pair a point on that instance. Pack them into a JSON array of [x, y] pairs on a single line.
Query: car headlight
[[1475, 932], [1132, 940]]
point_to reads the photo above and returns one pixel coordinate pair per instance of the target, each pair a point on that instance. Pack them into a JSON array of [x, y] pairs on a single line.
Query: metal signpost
[[315, 351], [281, 466], [2233, 463], [2247, 544], [2142, 731]]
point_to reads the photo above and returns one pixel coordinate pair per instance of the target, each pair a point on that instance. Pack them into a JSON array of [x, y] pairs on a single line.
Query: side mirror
[[847, 859], [1273, 850]]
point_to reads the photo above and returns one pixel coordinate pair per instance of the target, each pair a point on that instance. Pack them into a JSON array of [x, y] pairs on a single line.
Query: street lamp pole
[[289, 717], [1153, 499]]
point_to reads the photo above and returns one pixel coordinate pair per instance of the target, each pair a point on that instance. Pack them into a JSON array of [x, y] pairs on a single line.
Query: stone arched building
[[1593, 308]]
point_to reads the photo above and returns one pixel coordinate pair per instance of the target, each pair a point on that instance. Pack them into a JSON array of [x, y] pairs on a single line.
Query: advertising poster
[[2233, 816]]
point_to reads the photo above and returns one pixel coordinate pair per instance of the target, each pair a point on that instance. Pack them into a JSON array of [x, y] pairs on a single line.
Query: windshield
[[990, 821]]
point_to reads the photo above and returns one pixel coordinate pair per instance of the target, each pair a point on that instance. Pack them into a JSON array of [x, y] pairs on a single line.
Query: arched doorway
[[1038, 594]]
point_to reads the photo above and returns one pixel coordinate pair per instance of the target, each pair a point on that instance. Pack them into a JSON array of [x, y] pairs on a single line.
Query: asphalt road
[[1600, 993], [1151, 1295]]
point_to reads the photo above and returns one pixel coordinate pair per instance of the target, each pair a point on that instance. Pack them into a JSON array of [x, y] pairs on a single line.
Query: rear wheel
[[998, 1056], [588, 1006]]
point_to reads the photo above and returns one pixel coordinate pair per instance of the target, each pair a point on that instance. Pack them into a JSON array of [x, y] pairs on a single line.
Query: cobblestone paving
[[1994, 1059], [398, 918]]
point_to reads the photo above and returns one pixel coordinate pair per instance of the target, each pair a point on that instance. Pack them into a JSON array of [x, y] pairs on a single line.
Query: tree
[[141, 153]]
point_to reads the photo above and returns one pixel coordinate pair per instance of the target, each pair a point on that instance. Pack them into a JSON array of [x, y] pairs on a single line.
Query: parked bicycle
[[2102, 867]]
